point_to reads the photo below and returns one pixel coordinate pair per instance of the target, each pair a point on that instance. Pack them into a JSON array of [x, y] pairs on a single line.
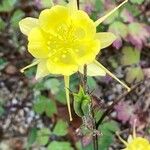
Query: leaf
[[138, 34], [124, 114], [2, 110], [99, 6], [89, 147], [53, 85], [137, 1], [45, 105], [130, 56], [127, 16], [134, 74], [2, 24], [61, 128], [119, 29], [3, 63], [43, 136], [81, 102], [31, 137], [17, 16], [7, 5], [113, 62], [46, 3], [50, 108], [61, 97], [91, 83], [40, 105], [108, 129], [135, 11], [59, 146]]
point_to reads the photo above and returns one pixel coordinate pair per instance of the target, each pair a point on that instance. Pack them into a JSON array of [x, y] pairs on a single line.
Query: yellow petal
[[31, 65], [86, 51], [66, 79], [105, 38], [50, 20], [42, 70], [38, 43], [113, 76], [62, 62], [100, 20], [93, 70], [84, 24], [27, 24]]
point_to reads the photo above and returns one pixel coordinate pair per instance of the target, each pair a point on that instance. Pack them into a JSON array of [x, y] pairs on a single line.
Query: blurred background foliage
[[33, 114]]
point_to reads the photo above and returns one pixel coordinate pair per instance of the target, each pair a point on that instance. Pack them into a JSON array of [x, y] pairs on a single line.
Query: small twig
[[78, 4], [85, 78], [110, 108]]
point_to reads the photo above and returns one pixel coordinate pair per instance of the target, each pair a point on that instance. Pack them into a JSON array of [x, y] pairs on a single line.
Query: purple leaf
[[118, 43], [138, 34], [127, 16], [124, 111]]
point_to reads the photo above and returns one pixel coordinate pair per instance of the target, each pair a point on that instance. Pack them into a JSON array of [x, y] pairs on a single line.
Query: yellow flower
[[63, 39], [135, 143]]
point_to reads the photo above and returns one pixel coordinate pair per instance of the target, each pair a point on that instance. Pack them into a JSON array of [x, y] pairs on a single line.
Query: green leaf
[[2, 110], [134, 74], [61, 128], [43, 136], [119, 29], [3, 63], [46, 105], [137, 1], [53, 85], [50, 108], [99, 6], [108, 129], [2, 24], [59, 146], [81, 103], [40, 105], [130, 56], [32, 137], [91, 83], [46, 3], [61, 97], [7, 5], [113, 62], [135, 11], [17, 16], [89, 147]]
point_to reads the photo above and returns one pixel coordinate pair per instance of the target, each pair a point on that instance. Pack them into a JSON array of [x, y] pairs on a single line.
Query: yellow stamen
[[66, 79], [113, 76], [100, 20]]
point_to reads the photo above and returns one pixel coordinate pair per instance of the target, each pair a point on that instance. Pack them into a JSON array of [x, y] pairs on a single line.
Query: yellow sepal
[[105, 38], [112, 75], [27, 24]]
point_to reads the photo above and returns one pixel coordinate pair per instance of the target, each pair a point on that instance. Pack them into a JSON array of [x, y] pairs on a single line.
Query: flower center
[[63, 42]]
